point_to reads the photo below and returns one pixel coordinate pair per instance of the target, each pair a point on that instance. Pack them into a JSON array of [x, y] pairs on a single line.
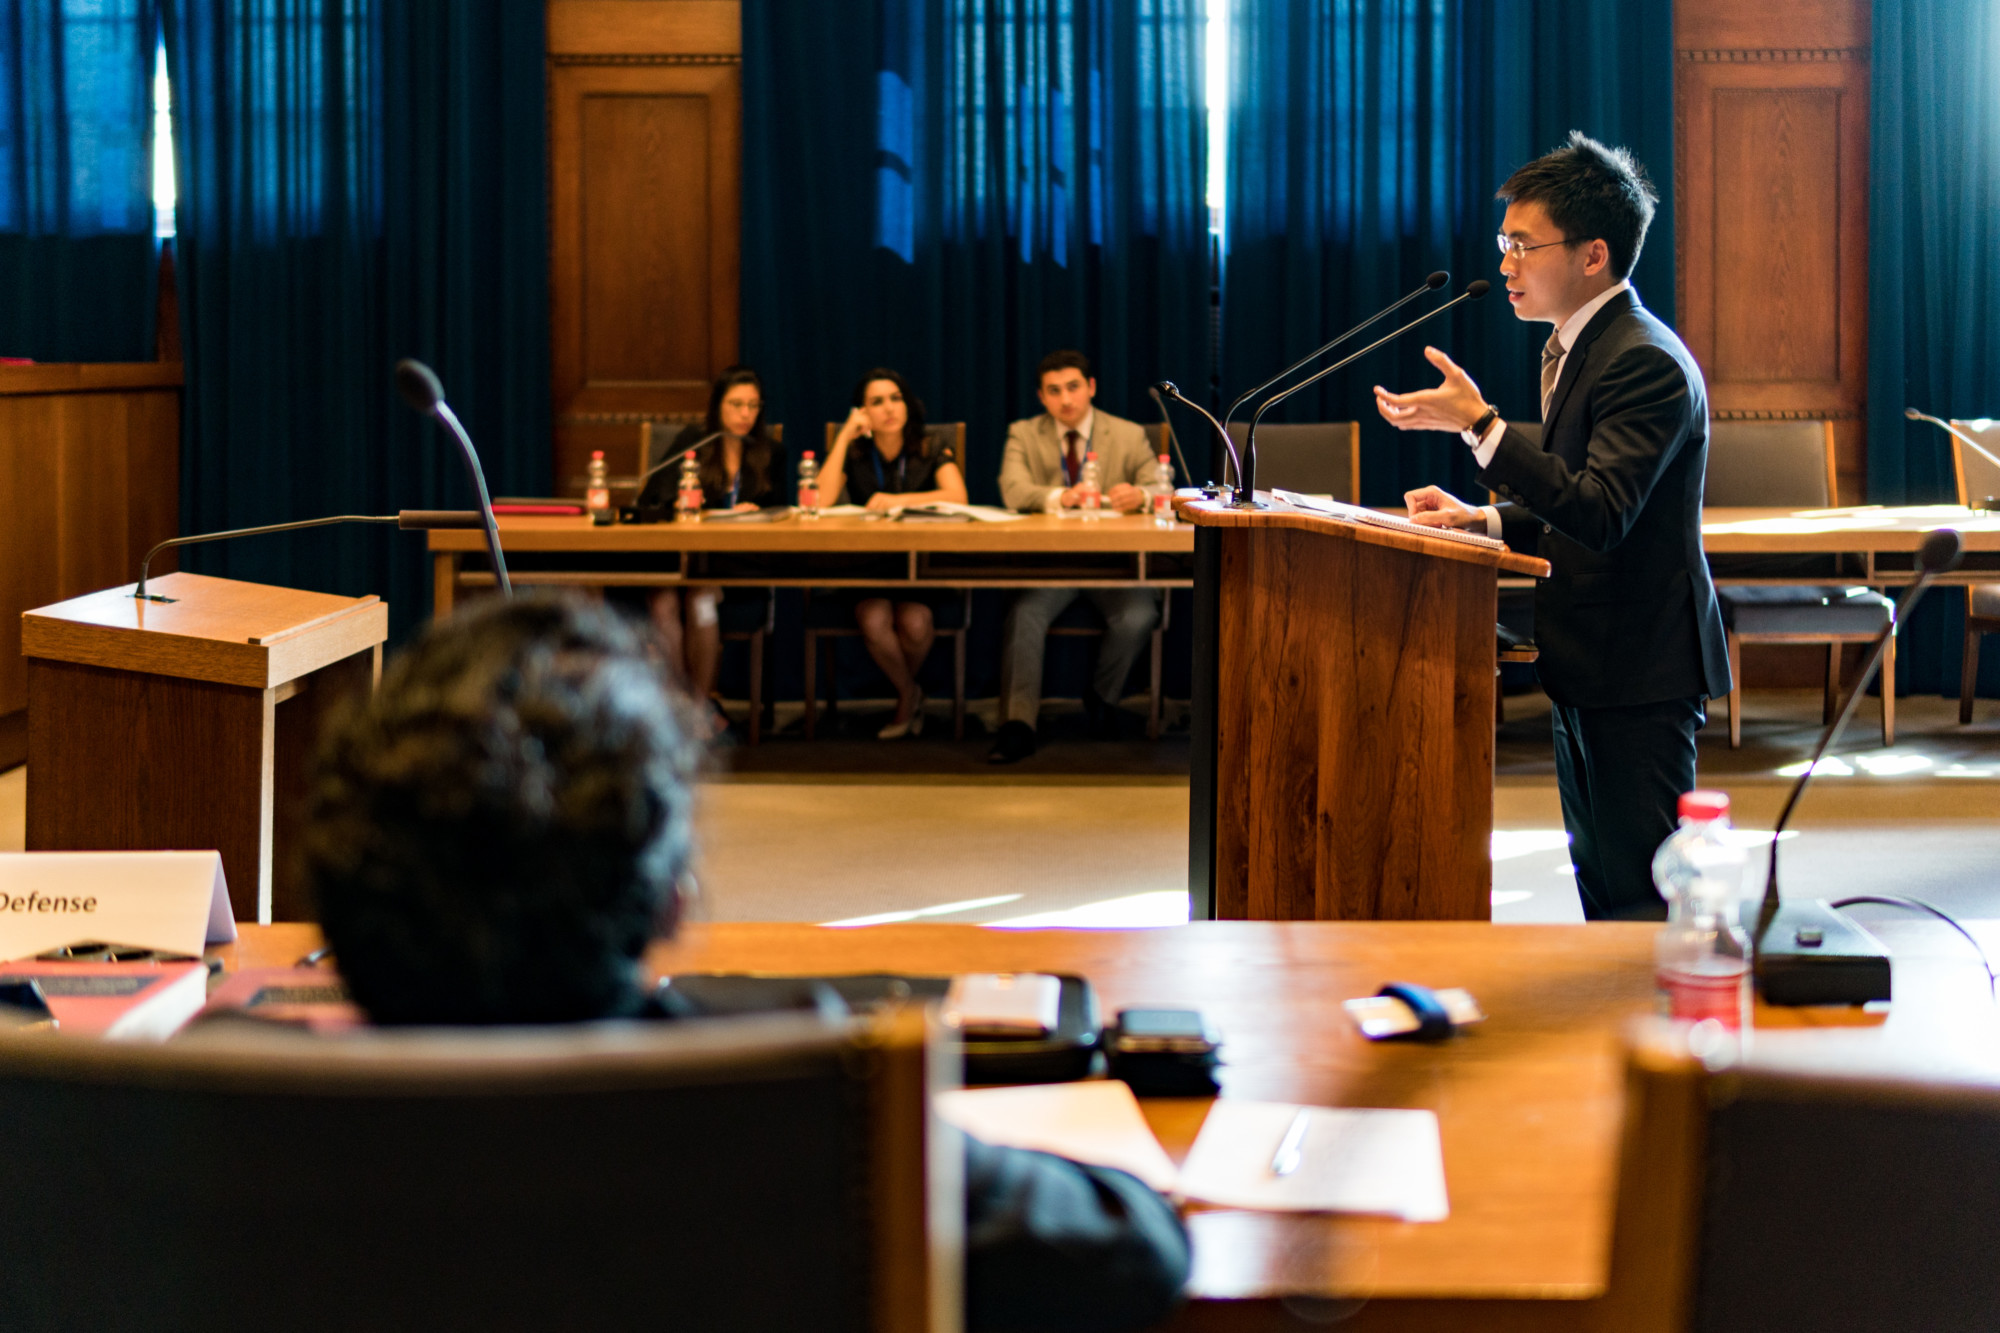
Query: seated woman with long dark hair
[[741, 470], [884, 458]]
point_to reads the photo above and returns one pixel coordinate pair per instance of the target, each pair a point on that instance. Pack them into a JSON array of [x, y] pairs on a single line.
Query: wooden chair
[[1755, 1199], [829, 627], [1080, 621], [1316, 458], [780, 1171], [656, 437], [1977, 479], [1790, 465]]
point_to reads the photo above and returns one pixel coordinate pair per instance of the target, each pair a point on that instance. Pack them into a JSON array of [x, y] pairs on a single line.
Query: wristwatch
[[1477, 430]]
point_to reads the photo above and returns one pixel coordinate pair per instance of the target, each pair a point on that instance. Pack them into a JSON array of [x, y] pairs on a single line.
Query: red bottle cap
[[596, 455], [808, 454], [1704, 805]]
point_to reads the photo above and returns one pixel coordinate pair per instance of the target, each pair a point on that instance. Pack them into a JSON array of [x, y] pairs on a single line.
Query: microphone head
[[1168, 388], [1941, 552], [418, 385], [1437, 279], [1913, 414], [1478, 288]]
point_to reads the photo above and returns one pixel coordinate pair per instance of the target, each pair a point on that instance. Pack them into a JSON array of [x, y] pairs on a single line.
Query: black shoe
[[1014, 742]]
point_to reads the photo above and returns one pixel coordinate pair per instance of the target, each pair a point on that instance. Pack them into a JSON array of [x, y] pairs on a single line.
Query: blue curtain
[[77, 255], [954, 189], [1366, 140], [360, 181], [1933, 274]]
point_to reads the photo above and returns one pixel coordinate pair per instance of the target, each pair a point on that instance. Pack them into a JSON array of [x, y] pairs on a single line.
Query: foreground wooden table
[[1529, 1104]]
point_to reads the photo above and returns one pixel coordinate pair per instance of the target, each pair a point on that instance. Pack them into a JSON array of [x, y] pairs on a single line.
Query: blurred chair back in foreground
[[1757, 1199], [753, 1173]]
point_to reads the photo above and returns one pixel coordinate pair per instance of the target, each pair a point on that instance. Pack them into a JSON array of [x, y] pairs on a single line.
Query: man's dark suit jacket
[[1611, 498]]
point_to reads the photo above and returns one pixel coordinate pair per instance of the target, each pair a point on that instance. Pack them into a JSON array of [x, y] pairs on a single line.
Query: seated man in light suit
[[1039, 473], [500, 830]]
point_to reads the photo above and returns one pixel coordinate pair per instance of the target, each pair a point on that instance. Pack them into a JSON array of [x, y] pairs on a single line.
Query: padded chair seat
[[1804, 610], [1986, 600]]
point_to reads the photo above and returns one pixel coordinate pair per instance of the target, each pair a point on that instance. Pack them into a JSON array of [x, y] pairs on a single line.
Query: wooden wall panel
[[645, 163], [1771, 185], [89, 478]]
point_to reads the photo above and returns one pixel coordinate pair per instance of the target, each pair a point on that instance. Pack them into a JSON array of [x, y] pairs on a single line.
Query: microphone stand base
[[1815, 954]]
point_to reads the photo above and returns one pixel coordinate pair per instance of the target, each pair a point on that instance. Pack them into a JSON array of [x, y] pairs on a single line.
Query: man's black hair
[[1061, 360], [495, 836], [1591, 192]]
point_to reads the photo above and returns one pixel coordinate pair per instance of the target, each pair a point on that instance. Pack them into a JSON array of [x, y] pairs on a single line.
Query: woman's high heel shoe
[[913, 725]]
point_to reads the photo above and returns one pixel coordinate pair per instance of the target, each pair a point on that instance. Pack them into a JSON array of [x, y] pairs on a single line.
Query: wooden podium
[[188, 724], [1343, 717]]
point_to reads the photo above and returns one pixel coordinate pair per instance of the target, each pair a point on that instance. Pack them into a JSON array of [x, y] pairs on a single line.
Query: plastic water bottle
[[687, 501], [1701, 956], [808, 485], [1162, 491], [1090, 494], [597, 491]]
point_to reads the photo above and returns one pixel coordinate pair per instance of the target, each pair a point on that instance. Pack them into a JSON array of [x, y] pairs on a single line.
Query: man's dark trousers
[[1618, 813]]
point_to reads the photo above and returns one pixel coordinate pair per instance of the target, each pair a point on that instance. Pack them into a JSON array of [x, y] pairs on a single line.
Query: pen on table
[[1290, 1148]]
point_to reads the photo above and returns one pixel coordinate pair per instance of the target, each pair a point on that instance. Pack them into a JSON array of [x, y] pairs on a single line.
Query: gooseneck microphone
[[1172, 439], [1812, 962], [1431, 284], [1954, 432], [409, 520], [420, 388], [1171, 390], [1247, 478]]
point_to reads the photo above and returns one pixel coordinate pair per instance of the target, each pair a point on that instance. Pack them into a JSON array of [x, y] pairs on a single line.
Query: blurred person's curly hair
[[496, 835]]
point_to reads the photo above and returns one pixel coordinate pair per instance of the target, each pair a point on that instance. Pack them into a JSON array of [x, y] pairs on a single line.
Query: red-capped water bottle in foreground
[[688, 497], [1701, 956], [597, 490], [1090, 492], [808, 485]]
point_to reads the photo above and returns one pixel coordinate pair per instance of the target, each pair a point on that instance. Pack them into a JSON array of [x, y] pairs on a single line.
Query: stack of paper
[[1350, 1160]]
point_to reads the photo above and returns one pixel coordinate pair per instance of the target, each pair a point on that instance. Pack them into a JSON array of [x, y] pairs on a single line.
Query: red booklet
[[116, 1001]]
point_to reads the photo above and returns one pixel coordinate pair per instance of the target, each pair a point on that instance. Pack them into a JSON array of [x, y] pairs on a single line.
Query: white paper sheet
[[1353, 1161], [1097, 1121]]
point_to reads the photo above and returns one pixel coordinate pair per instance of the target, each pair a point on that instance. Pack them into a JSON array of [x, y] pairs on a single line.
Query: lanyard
[[902, 469]]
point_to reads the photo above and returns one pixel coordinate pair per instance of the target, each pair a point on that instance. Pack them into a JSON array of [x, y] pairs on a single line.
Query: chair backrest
[[1977, 477], [746, 1173], [1317, 458], [1759, 1199], [656, 437], [1770, 464], [951, 432]]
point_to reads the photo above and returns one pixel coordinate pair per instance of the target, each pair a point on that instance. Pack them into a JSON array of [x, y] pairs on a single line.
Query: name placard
[[174, 902]]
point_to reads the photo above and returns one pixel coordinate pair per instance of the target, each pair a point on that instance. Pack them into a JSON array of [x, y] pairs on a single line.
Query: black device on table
[[1164, 1052]]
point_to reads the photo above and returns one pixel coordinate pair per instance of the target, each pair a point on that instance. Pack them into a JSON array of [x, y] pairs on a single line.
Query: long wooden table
[[1032, 551], [1529, 1104], [1881, 543]]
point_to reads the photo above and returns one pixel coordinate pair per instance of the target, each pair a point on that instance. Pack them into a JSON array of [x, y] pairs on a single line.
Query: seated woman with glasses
[[884, 458], [742, 470]]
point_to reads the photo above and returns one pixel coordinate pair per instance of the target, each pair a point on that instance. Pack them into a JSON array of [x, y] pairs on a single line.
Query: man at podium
[[1631, 637]]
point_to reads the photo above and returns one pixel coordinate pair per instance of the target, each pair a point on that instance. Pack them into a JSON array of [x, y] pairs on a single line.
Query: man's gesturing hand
[[1452, 406], [1435, 509]]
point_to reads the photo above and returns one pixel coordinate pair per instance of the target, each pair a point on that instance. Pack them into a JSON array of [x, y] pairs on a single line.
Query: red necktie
[[1073, 460]]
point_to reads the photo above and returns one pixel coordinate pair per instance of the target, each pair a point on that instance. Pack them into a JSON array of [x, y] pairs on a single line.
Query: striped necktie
[[1552, 355]]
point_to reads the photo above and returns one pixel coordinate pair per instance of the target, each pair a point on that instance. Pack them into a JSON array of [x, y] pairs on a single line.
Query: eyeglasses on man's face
[[1512, 247]]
